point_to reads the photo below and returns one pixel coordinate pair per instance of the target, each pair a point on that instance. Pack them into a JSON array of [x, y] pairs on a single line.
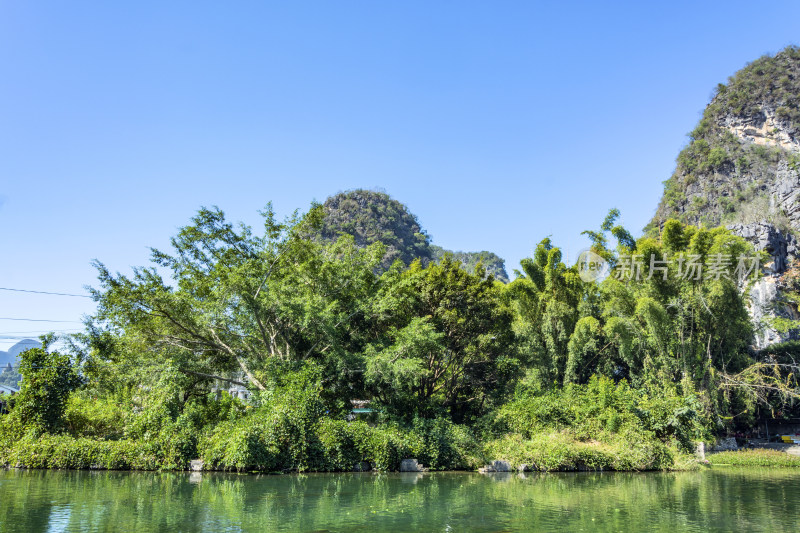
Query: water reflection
[[718, 500]]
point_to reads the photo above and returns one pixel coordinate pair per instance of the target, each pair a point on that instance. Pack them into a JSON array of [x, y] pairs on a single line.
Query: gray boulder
[[496, 466], [411, 465]]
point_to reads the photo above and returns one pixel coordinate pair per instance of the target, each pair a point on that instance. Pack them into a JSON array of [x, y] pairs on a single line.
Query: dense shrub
[[386, 446], [285, 429], [602, 407], [257, 443], [49, 377], [597, 425], [64, 451], [342, 444], [103, 418], [447, 445], [277, 434], [240, 446], [717, 157], [562, 451]]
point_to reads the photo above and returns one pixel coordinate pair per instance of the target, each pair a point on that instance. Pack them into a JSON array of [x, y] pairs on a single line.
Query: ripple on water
[[722, 499]]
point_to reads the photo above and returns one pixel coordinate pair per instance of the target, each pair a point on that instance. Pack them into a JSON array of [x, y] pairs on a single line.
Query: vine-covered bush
[[267, 441], [277, 434], [555, 451], [64, 451], [49, 378], [89, 416], [597, 425], [603, 408]]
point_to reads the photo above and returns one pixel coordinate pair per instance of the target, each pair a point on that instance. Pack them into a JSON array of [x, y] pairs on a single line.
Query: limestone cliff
[[741, 169]]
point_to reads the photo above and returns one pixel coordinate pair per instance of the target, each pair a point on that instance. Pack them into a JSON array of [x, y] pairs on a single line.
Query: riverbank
[[598, 426], [791, 449], [755, 457], [550, 453], [352, 447]]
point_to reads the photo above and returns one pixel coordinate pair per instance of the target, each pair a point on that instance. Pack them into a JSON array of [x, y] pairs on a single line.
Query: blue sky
[[497, 123]]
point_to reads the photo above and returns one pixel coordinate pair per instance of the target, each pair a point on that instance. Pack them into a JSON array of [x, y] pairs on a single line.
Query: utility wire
[[45, 292], [25, 337], [39, 320], [34, 331]]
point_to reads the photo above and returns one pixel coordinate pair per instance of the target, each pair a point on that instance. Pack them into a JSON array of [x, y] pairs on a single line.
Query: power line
[[45, 292], [57, 334], [11, 336], [34, 331], [40, 320]]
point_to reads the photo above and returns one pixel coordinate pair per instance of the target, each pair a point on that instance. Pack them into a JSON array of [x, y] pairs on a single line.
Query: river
[[722, 499]]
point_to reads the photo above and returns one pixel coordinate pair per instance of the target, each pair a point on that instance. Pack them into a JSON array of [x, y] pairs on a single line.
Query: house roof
[[8, 390]]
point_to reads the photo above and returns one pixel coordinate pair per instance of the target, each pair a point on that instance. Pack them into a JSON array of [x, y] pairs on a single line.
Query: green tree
[[546, 297], [48, 380], [673, 309], [445, 345], [678, 313], [236, 303]]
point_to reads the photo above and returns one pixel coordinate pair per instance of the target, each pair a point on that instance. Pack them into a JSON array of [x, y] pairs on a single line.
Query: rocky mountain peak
[[742, 162], [374, 216], [741, 169]]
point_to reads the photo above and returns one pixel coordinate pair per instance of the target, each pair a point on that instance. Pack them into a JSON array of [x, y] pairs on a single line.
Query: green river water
[[721, 499]]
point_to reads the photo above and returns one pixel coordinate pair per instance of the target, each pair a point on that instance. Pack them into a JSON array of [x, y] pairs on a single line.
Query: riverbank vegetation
[[754, 457], [548, 371]]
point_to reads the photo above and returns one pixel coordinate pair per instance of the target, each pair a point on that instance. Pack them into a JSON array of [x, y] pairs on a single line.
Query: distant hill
[[11, 376], [373, 216], [10, 356], [493, 263]]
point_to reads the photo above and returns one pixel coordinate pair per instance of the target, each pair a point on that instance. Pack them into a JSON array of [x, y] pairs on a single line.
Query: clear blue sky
[[497, 123]]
